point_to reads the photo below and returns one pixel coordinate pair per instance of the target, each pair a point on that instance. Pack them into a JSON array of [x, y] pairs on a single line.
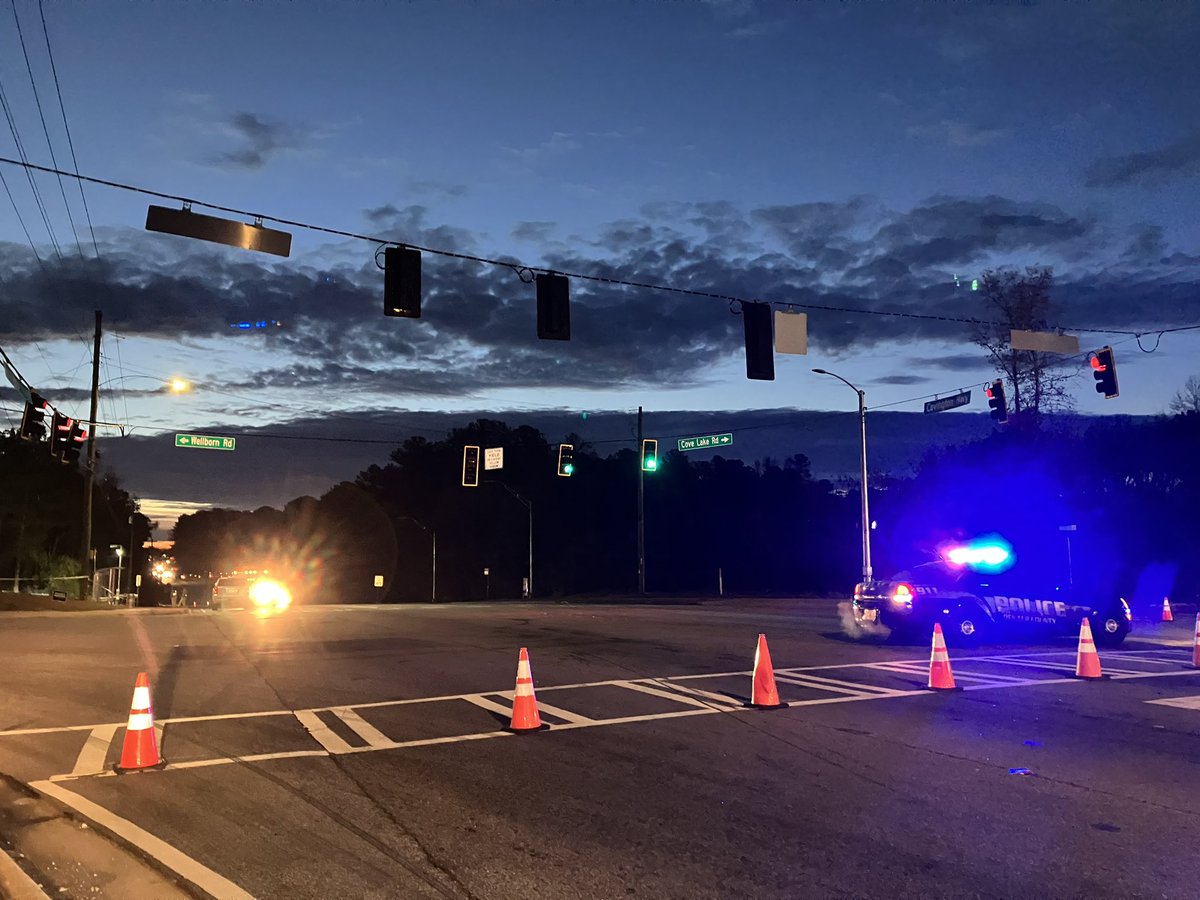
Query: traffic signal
[[60, 433], [470, 472], [553, 308], [33, 420], [997, 401], [402, 282], [649, 455], [760, 341], [1104, 370], [76, 438], [566, 460]]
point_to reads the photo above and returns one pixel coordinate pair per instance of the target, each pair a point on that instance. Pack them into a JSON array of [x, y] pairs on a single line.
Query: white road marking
[[491, 705], [803, 682], [656, 692], [321, 732], [95, 751], [558, 712], [1180, 702], [913, 669], [197, 873], [364, 729], [707, 695], [853, 685]]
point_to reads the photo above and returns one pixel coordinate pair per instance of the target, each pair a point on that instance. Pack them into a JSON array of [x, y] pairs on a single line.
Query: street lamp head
[[180, 385], [820, 371]]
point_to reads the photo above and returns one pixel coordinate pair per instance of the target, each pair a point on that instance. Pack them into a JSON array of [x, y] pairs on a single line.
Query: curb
[[15, 883]]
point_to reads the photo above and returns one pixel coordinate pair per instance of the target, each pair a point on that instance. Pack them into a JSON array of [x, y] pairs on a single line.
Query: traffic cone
[[1196, 645], [1167, 617], [1087, 660], [140, 749], [764, 694], [525, 715], [940, 676]]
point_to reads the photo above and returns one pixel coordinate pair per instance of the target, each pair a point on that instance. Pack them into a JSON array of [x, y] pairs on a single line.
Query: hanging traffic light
[[760, 341], [470, 470], [1104, 370], [33, 420], [402, 282], [553, 307], [76, 438], [60, 433], [997, 401], [566, 460], [649, 455]]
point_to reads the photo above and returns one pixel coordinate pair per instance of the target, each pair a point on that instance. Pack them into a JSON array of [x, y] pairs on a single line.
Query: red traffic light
[[1097, 365]]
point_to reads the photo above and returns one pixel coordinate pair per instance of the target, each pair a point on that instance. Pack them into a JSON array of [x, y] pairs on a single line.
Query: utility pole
[[90, 475], [641, 510]]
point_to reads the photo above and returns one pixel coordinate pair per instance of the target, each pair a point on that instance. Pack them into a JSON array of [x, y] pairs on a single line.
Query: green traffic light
[[651, 464], [569, 469]]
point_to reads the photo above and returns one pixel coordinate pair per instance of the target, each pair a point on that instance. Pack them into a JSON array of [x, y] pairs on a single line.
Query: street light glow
[[180, 385]]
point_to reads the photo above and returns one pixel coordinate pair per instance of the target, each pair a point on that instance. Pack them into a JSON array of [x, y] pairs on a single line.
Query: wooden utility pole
[[641, 510], [90, 475]]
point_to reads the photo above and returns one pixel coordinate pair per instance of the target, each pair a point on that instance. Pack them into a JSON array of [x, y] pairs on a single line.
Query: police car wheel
[[967, 627], [1111, 631]]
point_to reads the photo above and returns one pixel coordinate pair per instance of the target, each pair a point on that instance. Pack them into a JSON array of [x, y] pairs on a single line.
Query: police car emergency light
[[991, 554]]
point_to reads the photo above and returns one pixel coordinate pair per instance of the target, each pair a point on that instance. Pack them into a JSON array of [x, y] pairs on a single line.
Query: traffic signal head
[[470, 468], [402, 282], [760, 341], [566, 460], [33, 420], [997, 401], [649, 455], [76, 438], [60, 433], [553, 308], [1104, 370]]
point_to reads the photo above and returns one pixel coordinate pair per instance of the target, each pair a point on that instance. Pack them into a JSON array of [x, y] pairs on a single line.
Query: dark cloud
[[1180, 158], [901, 379], [259, 141], [478, 325], [963, 362], [533, 231]]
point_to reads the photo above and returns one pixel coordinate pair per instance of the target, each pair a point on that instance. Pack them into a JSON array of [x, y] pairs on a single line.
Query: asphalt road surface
[[362, 752]]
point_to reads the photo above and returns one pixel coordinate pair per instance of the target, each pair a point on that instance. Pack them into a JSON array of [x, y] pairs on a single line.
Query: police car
[[975, 593]]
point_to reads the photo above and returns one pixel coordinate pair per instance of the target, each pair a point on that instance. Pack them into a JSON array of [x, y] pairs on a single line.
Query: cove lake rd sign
[[706, 442], [205, 442]]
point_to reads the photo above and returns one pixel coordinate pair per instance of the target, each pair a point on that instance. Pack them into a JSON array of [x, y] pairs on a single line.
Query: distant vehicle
[[973, 601], [255, 590]]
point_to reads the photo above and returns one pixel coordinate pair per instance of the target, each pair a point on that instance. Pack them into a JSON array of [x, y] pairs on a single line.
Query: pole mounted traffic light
[[649, 455], [76, 437], [470, 470], [566, 460], [760, 341], [402, 282], [1104, 370], [553, 307], [997, 401], [60, 433], [33, 420]]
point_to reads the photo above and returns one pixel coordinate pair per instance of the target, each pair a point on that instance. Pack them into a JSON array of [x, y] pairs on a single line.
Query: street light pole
[[863, 486], [432, 534]]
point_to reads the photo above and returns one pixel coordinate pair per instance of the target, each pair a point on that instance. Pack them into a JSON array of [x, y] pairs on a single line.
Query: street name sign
[[205, 441], [706, 442], [952, 402]]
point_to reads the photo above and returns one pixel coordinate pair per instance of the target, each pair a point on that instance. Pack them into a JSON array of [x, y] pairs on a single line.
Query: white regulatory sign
[[493, 458]]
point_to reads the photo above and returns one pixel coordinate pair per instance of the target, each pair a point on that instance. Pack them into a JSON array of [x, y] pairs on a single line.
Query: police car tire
[[978, 622], [1106, 638]]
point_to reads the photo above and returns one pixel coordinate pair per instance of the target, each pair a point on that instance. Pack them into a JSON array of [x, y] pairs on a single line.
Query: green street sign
[[705, 442], [205, 442]]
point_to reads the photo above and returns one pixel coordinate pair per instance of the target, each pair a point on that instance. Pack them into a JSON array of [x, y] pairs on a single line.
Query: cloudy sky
[[843, 157]]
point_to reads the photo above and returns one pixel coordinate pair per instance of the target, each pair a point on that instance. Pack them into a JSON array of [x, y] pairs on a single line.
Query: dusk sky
[[856, 155]]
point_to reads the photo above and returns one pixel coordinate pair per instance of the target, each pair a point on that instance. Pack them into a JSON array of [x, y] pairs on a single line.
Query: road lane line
[[722, 699], [1179, 702], [996, 680], [189, 869], [801, 682], [364, 729], [871, 689], [557, 711], [322, 733], [666, 695], [491, 705], [95, 751]]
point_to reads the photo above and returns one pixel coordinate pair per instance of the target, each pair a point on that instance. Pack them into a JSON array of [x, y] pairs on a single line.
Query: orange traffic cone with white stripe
[[940, 676], [764, 694], [140, 749], [525, 715], [1196, 645], [1087, 660], [1167, 617]]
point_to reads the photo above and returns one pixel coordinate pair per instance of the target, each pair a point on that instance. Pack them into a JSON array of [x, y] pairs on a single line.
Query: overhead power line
[[523, 270], [29, 170]]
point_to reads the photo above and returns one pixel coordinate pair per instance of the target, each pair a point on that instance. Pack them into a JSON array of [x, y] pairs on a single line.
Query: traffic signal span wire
[[522, 269]]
